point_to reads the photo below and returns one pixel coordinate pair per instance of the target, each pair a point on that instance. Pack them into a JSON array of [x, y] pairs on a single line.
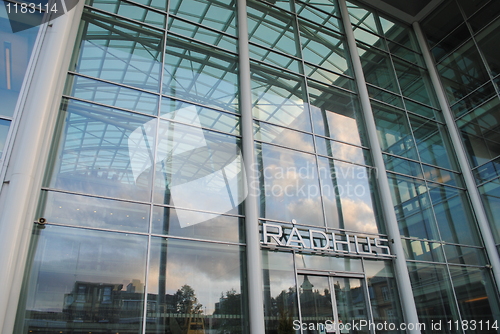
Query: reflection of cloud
[[358, 216]]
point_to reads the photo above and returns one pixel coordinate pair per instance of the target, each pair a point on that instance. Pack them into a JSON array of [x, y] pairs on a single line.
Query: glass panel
[[323, 48], [198, 169], [279, 98], [422, 110], [462, 72], [85, 281], [348, 196], [450, 42], [441, 22], [484, 16], [94, 212], [274, 58], [112, 95], [469, 7], [383, 293], [351, 302], [433, 294], [119, 51], [420, 250], [406, 54], [433, 143], [335, 114], [464, 255], [131, 11], [443, 176], [342, 151], [474, 99], [220, 15], [338, 264], [393, 131], [283, 136], [385, 96], [488, 171], [197, 73], [371, 40], [195, 286], [15, 54], [103, 151], [415, 83], [412, 207], [363, 18], [329, 78], [198, 116], [315, 301], [216, 227], [481, 132], [196, 32], [271, 28], [476, 298], [403, 166], [377, 68], [4, 131], [320, 11], [289, 186], [490, 193], [280, 292]]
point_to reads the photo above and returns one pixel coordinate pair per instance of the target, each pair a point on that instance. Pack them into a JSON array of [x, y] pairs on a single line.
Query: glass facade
[[145, 188]]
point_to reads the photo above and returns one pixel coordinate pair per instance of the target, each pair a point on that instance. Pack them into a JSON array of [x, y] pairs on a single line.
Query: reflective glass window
[[195, 285], [197, 224], [119, 51], [414, 83], [85, 281], [433, 143], [198, 169], [421, 250], [377, 68], [289, 185], [351, 301], [220, 15], [462, 72], [335, 114], [280, 293], [104, 151], [270, 28], [111, 95], [464, 255], [201, 74], [433, 294], [490, 193], [441, 22], [394, 132], [343, 151], [383, 292], [279, 98], [323, 12], [15, 53], [484, 16], [284, 137], [199, 116], [403, 166], [413, 208], [323, 48], [474, 99], [339, 264], [348, 196], [475, 296], [363, 18], [88, 211], [131, 11]]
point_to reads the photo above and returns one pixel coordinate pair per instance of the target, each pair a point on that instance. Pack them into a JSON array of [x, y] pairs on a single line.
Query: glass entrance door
[[324, 312]]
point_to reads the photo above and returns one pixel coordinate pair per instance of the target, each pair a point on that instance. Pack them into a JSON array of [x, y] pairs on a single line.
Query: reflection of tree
[[185, 301], [229, 304]]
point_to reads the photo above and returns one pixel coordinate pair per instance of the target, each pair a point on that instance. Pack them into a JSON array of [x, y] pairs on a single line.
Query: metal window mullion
[[477, 205], [403, 281]]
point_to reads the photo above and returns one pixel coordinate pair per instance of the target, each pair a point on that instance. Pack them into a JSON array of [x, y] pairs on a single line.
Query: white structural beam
[[403, 278], [24, 174], [254, 266]]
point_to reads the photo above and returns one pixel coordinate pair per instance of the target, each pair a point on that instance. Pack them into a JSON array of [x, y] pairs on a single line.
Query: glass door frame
[[331, 275]]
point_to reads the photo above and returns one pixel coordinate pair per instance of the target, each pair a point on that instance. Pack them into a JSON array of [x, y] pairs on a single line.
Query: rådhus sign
[[319, 240]]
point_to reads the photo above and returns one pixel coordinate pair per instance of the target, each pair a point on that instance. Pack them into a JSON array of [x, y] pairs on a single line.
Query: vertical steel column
[[403, 278], [254, 266], [470, 184], [29, 154]]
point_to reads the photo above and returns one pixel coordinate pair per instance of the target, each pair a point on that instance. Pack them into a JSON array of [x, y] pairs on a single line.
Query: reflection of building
[[155, 138]]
